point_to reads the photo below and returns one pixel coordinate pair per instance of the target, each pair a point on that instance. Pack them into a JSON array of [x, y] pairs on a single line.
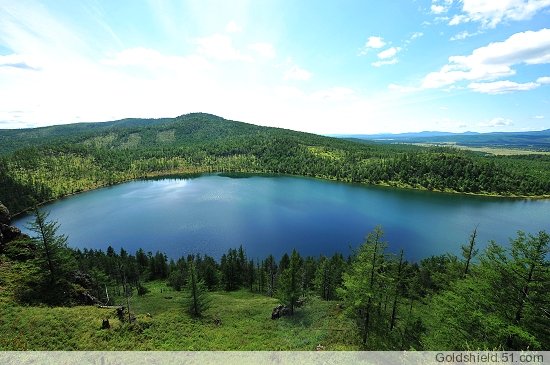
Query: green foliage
[[498, 301], [55, 261], [290, 287], [502, 304], [196, 300], [71, 159], [364, 285]]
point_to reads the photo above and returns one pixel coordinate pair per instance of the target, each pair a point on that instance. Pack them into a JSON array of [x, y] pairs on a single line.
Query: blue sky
[[315, 66]]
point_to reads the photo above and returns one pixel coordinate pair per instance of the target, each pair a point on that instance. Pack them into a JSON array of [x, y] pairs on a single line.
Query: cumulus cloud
[[543, 80], [492, 12], [493, 61], [373, 42], [388, 53], [387, 57]]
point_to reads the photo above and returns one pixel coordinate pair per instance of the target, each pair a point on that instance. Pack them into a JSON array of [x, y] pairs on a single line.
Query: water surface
[[211, 213]]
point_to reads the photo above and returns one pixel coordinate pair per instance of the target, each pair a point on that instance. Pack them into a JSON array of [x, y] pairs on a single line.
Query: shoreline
[[202, 171]]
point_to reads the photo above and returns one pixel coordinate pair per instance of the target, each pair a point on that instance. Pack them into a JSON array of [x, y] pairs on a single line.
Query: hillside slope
[[75, 158]]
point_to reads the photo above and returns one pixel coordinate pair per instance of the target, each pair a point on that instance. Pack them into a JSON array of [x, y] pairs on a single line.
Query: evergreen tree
[[290, 282], [54, 258], [364, 285], [196, 300], [501, 305]]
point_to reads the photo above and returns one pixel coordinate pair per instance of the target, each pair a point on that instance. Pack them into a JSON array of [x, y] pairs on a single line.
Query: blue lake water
[[211, 213]]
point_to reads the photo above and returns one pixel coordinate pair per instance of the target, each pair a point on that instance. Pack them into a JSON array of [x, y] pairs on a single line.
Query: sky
[[327, 67]]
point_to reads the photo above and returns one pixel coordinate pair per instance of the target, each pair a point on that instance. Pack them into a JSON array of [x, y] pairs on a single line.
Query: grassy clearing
[[163, 324]]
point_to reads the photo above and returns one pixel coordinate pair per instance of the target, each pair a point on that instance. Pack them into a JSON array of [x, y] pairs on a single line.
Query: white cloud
[[492, 12], [233, 27], [153, 59], [387, 57], [497, 122], [493, 61], [393, 61], [375, 42], [372, 43], [463, 35], [263, 49], [388, 53], [538, 117], [416, 35], [543, 80], [20, 62], [220, 47], [438, 9], [501, 87], [334, 94], [441, 6], [297, 73], [402, 88]]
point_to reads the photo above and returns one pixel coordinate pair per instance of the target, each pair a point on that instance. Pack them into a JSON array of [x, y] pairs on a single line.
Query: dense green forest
[[42, 164], [496, 299]]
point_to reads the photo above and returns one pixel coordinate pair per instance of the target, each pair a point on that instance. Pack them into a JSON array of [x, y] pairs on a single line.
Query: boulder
[[279, 311], [9, 233], [4, 214]]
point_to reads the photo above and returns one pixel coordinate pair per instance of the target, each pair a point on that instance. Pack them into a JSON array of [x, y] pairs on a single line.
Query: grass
[[163, 324]]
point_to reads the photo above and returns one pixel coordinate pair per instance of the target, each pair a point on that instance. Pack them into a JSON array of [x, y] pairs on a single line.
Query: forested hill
[[41, 164]]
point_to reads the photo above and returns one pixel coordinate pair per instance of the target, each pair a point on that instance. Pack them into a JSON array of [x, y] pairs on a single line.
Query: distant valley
[[532, 140]]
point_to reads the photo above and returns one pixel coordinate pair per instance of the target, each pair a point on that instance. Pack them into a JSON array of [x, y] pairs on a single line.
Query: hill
[[538, 140], [162, 324], [42, 164]]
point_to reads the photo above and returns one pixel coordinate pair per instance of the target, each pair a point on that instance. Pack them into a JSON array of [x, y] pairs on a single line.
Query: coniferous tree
[[54, 258], [196, 300], [363, 285], [290, 282]]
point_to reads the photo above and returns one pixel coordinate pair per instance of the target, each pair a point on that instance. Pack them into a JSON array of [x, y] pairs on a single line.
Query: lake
[[274, 214]]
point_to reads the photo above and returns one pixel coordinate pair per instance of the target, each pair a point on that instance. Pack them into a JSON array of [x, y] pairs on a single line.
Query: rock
[[279, 311], [9, 232], [4, 214], [105, 325]]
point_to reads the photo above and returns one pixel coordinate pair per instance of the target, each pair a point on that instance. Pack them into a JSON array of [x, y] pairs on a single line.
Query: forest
[[496, 299], [43, 164]]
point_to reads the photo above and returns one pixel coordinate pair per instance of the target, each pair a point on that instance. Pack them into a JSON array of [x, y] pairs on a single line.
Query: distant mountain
[[531, 139]]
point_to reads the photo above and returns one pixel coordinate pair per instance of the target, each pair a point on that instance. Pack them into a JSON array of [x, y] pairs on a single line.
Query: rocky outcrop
[[4, 214]]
